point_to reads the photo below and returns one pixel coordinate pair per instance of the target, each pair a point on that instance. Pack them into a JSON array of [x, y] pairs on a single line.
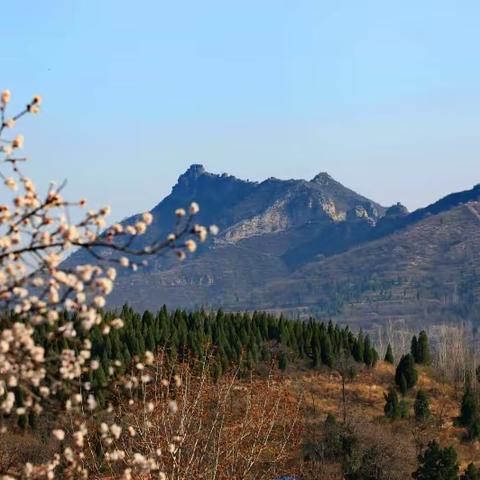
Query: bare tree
[[345, 366]]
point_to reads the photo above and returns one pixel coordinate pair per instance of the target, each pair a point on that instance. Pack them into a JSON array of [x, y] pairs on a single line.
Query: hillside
[[313, 247], [395, 444], [365, 401], [426, 271]]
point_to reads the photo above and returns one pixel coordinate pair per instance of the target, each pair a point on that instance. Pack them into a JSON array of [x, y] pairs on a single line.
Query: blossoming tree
[[43, 300]]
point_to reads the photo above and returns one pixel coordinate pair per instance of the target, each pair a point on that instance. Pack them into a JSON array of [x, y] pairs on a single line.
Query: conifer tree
[[469, 417], [406, 369], [389, 355], [423, 350], [391, 408], [316, 351], [421, 406], [437, 463], [327, 353], [368, 355], [403, 409], [414, 348], [359, 348], [471, 473], [282, 362], [374, 357]]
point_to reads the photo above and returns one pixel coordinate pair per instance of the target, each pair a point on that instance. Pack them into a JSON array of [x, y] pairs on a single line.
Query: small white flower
[[6, 95], [213, 229], [116, 430], [9, 123], [191, 245], [172, 406], [18, 141], [91, 402], [11, 184], [59, 434], [147, 218], [117, 323], [99, 301], [194, 208]]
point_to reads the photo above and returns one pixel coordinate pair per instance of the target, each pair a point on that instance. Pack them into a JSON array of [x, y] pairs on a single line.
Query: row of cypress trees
[[231, 339]]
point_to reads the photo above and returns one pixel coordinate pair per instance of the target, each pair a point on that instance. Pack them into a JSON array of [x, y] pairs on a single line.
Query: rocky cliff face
[[281, 242]]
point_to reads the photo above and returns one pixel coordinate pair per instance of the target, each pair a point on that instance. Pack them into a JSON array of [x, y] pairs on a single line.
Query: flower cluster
[[43, 300]]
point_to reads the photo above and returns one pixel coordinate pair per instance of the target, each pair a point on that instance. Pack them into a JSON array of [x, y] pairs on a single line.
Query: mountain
[[426, 272], [313, 247]]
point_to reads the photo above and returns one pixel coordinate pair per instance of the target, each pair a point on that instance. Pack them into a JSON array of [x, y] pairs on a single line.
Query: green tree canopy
[[406, 369], [389, 355], [392, 407], [421, 406], [437, 463]]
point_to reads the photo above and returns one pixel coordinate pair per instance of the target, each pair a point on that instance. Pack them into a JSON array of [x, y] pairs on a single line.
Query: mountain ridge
[[286, 244]]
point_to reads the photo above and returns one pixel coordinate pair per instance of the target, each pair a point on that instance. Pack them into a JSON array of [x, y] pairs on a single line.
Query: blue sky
[[383, 95]]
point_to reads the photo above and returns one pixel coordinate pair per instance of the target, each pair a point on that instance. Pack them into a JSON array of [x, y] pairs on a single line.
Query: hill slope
[[425, 272]]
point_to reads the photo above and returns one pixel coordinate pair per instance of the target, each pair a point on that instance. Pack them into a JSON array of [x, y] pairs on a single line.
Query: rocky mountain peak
[[323, 178], [397, 209], [192, 173]]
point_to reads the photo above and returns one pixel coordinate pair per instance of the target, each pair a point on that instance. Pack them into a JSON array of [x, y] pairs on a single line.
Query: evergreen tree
[[423, 350], [374, 357], [359, 348], [282, 362], [414, 348], [469, 417], [471, 473], [368, 353], [406, 369], [403, 408], [473, 430], [421, 406], [230, 336], [403, 384], [391, 408], [327, 351], [389, 355], [437, 463]]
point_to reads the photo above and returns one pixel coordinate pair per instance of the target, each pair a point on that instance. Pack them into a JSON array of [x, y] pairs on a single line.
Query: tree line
[[230, 339]]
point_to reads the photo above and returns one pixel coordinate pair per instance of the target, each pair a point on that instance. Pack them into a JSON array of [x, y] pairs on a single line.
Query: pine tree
[[469, 412], [403, 409], [471, 473], [437, 463], [421, 406], [389, 355], [316, 351], [282, 362], [414, 348], [391, 408], [374, 357], [406, 369], [403, 384], [359, 348], [327, 351], [423, 350], [368, 354], [473, 430]]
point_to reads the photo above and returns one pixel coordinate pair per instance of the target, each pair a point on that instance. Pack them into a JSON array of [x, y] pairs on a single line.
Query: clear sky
[[383, 95]]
